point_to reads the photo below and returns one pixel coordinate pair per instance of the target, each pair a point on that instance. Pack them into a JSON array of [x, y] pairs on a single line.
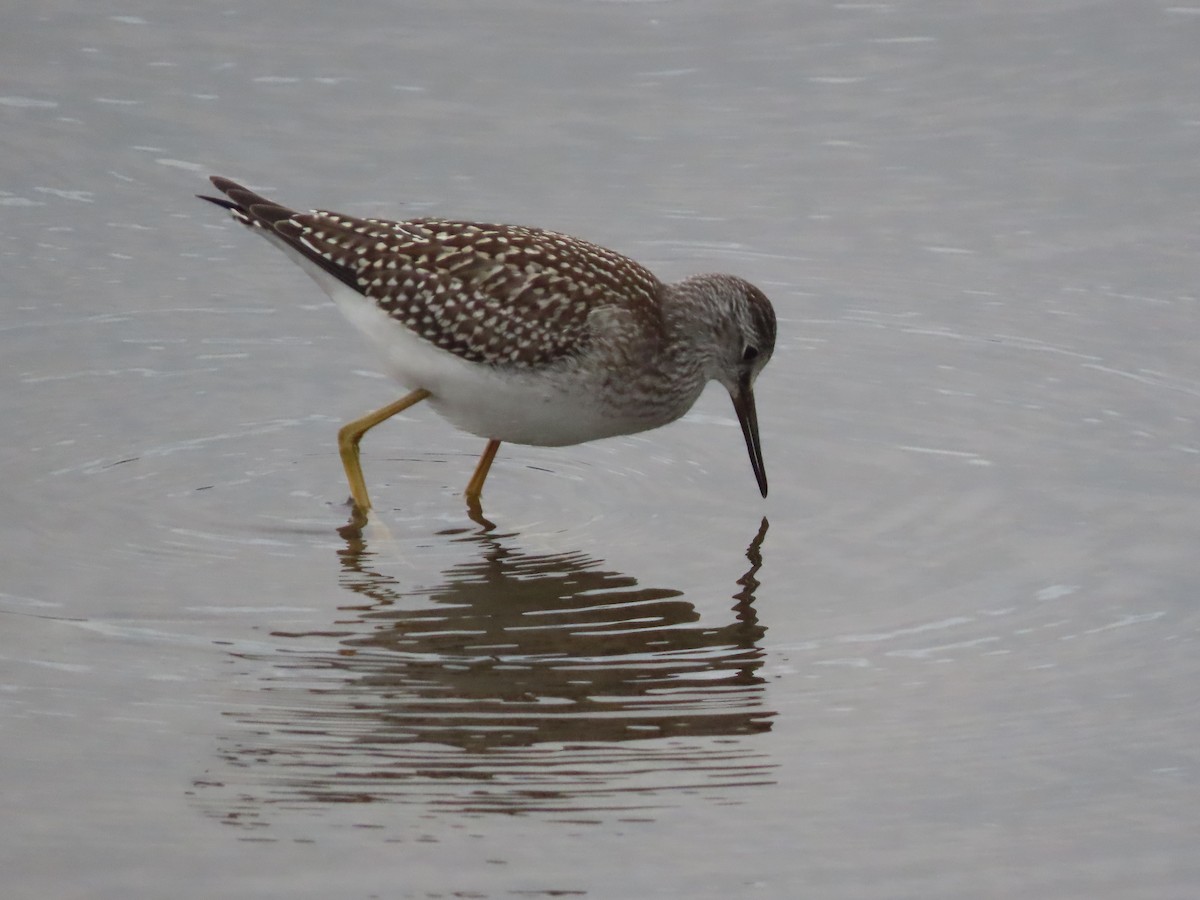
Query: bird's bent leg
[[350, 435], [475, 485]]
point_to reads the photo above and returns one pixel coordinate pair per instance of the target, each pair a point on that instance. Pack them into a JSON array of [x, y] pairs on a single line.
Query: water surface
[[953, 654]]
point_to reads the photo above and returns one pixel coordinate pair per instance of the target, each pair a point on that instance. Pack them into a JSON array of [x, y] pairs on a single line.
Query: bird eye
[[750, 353]]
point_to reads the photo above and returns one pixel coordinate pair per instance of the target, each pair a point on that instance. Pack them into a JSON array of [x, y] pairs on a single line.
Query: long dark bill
[[743, 405]]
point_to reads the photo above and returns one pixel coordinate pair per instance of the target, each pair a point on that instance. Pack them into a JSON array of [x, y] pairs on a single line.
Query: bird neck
[[697, 322]]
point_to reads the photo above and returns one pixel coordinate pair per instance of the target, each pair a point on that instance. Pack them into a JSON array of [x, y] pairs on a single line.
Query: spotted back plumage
[[503, 295]]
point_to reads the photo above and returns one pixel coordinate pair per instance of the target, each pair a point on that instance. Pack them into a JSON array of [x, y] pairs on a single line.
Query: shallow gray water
[[957, 658]]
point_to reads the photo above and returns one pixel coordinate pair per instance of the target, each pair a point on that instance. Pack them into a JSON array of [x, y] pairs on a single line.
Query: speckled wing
[[503, 295]]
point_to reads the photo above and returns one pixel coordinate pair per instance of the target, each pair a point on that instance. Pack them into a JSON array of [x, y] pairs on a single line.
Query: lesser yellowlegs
[[519, 334]]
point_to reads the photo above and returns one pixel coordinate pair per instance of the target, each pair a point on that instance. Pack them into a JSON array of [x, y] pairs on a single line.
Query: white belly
[[548, 408]]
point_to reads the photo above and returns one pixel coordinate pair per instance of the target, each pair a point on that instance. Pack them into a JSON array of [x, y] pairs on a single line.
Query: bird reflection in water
[[524, 682]]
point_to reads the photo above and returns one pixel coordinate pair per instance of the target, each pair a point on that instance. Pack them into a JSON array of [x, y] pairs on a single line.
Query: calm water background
[[959, 656]]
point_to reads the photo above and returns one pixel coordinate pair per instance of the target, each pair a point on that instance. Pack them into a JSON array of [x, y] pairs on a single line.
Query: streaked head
[[744, 324]]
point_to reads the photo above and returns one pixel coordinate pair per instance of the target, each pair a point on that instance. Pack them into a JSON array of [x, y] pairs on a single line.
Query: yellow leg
[[351, 434], [475, 486]]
